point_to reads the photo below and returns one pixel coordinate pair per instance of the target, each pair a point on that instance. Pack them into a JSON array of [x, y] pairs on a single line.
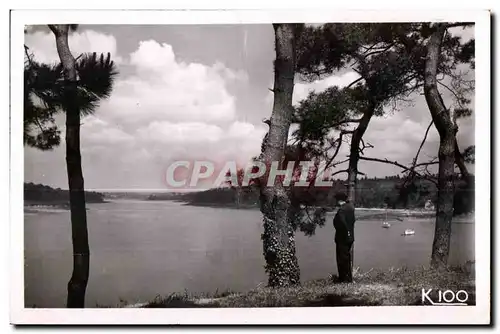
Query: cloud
[[302, 90], [97, 131], [397, 136], [165, 108], [238, 141], [180, 133], [161, 88], [43, 45], [464, 34], [161, 109]]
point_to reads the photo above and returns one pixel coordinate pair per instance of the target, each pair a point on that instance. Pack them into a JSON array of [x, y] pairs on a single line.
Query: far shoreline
[[371, 213], [35, 206], [380, 212]]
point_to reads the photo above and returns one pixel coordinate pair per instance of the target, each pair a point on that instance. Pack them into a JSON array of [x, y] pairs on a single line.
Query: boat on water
[[386, 224], [409, 232]]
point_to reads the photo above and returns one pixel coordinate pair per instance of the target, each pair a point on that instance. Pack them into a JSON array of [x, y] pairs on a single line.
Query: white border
[[479, 314]]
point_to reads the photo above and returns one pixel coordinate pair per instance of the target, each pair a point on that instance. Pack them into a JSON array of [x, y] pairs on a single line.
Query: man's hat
[[341, 196]]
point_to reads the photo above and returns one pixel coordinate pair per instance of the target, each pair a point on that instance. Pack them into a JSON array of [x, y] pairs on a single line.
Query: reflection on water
[[140, 249]]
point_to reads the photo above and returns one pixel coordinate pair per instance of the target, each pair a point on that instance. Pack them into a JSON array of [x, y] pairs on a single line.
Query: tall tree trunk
[[352, 169], [81, 252], [459, 160], [444, 121], [464, 195], [278, 237]]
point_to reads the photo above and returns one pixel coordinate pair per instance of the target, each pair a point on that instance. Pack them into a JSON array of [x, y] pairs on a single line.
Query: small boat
[[409, 232], [386, 224]]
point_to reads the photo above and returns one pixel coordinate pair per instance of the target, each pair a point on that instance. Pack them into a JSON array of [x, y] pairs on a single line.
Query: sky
[[200, 92]]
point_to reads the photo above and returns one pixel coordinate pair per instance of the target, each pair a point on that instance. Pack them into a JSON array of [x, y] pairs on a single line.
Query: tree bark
[[444, 121], [278, 237], [352, 169], [464, 195], [460, 162], [81, 252]]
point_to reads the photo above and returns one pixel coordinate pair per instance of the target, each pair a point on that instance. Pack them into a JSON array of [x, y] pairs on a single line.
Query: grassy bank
[[394, 287]]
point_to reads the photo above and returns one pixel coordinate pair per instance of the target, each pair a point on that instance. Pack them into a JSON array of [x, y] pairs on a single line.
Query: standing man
[[344, 237]]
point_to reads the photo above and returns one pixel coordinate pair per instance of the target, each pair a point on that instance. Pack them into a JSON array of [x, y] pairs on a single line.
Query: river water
[[140, 249]]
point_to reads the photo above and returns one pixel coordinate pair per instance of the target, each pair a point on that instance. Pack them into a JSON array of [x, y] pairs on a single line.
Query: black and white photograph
[[250, 167]]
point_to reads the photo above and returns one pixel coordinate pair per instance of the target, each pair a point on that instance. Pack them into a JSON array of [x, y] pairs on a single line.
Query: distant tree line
[[39, 193], [389, 191]]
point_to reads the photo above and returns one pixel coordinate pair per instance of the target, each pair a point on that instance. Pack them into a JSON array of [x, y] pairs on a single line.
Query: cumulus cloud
[[162, 88], [165, 108], [302, 90], [97, 131], [161, 108], [180, 133]]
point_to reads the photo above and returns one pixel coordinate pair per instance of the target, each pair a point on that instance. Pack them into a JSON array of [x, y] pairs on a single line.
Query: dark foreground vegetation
[[39, 194], [393, 287]]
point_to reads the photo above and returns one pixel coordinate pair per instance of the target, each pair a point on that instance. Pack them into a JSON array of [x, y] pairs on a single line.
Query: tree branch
[[27, 54], [337, 149], [329, 163], [387, 161], [354, 82], [451, 91], [349, 120], [430, 163], [411, 175], [422, 144], [369, 48], [381, 50], [405, 168], [339, 162], [362, 149], [53, 28], [39, 125], [458, 24], [338, 172], [428, 176], [407, 90], [346, 132], [307, 213]]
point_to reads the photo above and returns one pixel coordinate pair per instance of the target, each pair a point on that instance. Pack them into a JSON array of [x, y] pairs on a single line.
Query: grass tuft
[[396, 287]]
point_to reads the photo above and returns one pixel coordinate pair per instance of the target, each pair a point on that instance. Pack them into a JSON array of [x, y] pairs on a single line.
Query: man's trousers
[[345, 261]]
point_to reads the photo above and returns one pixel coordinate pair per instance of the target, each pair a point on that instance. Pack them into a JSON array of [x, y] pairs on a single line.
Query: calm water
[[140, 249]]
